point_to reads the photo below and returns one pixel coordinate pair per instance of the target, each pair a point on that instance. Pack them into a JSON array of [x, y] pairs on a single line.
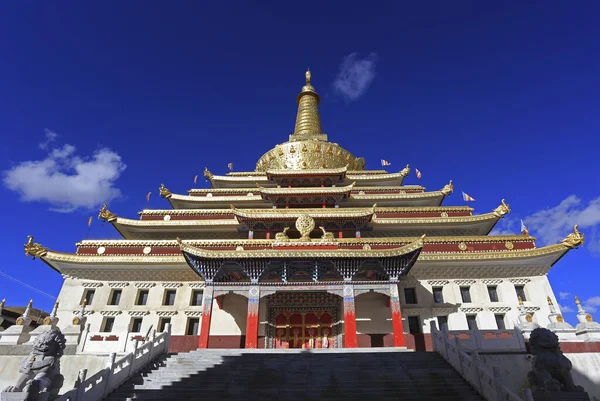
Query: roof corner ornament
[[207, 174], [448, 189], [502, 210], [164, 192], [575, 239], [106, 215], [282, 236], [326, 237], [33, 249], [25, 318], [179, 241], [404, 172]]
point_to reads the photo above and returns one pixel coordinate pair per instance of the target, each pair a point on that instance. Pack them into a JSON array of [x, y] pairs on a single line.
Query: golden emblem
[[305, 225], [444, 214], [76, 321], [560, 318], [19, 321], [292, 150], [404, 172], [448, 189], [462, 246], [574, 239], [529, 318], [34, 250], [366, 247], [509, 245], [164, 192], [589, 318], [207, 174]]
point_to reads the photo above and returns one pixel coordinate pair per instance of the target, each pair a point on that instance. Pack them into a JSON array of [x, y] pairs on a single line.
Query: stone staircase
[[296, 375]]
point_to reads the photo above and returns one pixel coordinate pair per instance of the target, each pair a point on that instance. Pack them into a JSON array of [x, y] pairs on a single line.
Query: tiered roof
[[351, 214]]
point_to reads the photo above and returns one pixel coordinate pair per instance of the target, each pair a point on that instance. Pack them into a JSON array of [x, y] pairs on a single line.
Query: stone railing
[[118, 371], [489, 340], [105, 343], [488, 383]]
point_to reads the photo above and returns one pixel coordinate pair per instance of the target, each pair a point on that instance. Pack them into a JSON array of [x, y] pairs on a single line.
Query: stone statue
[[41, 366], [551, 370]]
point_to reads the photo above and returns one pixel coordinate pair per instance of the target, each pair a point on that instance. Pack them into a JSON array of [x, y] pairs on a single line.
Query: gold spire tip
[[308, 75], [84, 303], [549, 300], [577, 300]]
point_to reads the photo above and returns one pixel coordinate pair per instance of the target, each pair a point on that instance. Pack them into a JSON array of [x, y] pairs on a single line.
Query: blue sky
[[104, 101]]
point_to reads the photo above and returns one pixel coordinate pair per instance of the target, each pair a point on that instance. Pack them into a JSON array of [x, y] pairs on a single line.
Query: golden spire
[[577, 301], [308, 121], [549, 300], [520, 300]]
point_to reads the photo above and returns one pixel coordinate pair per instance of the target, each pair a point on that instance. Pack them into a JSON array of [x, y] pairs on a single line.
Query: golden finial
[[574, 239], [84, 302], [207, 174], [308, 75], [448, 189], [34, 250], [404, 172], [520, 300], [30, 303], [164, 192], [2, 303], [501, 210], [106, 215], [577, 300], [179, 241], [549, 301]]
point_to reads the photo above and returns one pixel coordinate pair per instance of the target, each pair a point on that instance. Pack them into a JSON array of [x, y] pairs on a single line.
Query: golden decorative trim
[[322, 171], [341, 241], [490, 255], [306, 191], [420, 195], [274, 253], [436, 220], [213, 191], [448, 189], [106, 215], [176, 223], [575, 239], [295, 213], [234, 178], [462, 246], [216, 199], [367, 177], [33, 249], [509, 245]]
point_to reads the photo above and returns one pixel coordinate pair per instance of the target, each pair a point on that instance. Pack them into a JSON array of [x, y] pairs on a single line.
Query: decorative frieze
[[92, 284], [171, 286], [138, 313], [531, 309], [110, 312], [407, 283], [85, 313], [443, 310], [464, 282], [520, 281], [492, 281], [411, 311], [438, 283], [197, 285], [118, 284], [193, 313], [144, 284], [167, 313], [499, 309], [471, 310]]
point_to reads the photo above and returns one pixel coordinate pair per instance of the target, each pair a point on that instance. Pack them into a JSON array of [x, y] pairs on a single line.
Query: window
[[193, 326], [410, 295], [472, 321], [500, 322], [88, 296], [115, 297], [465, 294], [414, 325], [493, 293], [197, 297], [520, 289], [142, 297], [108, 324], [442, 321], [136, 325], [438, 296], [162, 322], [169, 297]]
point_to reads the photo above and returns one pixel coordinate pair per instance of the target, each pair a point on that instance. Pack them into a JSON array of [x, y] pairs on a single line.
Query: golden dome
[[308, 147]]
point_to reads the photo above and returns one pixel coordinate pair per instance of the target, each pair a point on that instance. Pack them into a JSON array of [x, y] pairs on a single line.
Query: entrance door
[[304, 330]]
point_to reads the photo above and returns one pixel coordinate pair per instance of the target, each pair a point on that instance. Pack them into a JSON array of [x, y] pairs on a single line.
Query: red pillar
[[396, 316], [350, 338], [206, 315], [252, 319]]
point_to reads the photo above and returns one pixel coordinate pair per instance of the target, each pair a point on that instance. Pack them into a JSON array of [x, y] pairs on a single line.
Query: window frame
[[189, 326], [139, 294], [112, 295], [444, 317], [474, 320], [86, 292], [468, 293], [194, 298], [500, 317], [105, 322], [162, 321], [414, 291], [133, 321], [440, 292], [166, 295], [419, 325], [495, 290], [521, 293]]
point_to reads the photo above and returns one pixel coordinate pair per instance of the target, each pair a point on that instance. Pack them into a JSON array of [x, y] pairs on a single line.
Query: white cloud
[[592, 304], [65, 180], [566, 309], [355, 75], [564, 295], [551, 225], [50, 137]]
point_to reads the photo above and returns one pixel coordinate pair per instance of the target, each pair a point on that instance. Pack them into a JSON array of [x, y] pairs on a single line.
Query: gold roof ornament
[[327, 236], [305, 225], [520, 300], [106, 215], [282, 236], [207, 174], [404, 172], [34, 250], [575, 239], [164, 192], [549, 300], [502, 210], [448, 189]]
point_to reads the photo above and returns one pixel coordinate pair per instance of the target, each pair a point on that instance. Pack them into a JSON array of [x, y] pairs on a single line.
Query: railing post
[[133, 357], [83, 338], [167, 337], [476, 365], [111, 368], [80, 384], [477, 338], [458, 352], [497, 383]]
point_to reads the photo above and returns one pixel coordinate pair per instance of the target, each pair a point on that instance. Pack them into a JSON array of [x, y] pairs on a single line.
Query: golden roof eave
[[288, 253], [307, 190], [120, 221], [322, 171], [208, 199], [496, 255], [203, 191], [437, 220], [420, 195]]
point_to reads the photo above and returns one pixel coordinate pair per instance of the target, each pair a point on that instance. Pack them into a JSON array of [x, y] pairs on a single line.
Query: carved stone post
[[252, 319], [397, 326], [207, 304]]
